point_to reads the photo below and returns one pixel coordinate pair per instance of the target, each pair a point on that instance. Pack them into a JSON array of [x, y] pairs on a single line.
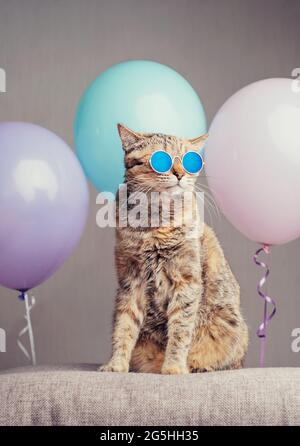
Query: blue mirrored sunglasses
[[162, 162]]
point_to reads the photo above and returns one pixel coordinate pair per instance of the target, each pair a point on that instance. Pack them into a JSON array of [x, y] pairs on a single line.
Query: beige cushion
[[78, 395]]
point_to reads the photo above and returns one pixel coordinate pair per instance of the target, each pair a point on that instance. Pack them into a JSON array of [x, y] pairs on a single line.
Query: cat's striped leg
[[182, 312], [128, 320], [221, 342]]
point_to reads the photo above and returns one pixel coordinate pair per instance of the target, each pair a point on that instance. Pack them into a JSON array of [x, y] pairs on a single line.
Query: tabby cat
[[177, 307]]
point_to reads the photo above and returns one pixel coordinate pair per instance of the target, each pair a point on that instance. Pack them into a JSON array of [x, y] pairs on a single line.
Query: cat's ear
[[128, 137], [199, 142]]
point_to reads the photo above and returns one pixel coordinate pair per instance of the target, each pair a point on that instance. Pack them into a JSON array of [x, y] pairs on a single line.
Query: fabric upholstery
[[79, 395]]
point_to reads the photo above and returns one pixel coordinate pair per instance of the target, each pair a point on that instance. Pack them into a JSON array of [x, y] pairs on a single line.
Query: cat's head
[[139, 147]]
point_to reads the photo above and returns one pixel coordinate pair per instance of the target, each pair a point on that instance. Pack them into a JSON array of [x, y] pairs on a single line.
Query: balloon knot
[[266, 248], [22, 295]]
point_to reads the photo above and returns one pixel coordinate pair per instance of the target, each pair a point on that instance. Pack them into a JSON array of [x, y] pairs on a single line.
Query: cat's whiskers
[[135, 194], [208, 201], [208, 191]]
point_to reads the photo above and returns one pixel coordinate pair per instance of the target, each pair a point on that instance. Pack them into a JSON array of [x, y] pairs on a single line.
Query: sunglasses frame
[[173, 159]]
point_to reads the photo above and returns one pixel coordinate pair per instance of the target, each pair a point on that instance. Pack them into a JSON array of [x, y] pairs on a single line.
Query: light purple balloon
[[43, 204], [253, 160]]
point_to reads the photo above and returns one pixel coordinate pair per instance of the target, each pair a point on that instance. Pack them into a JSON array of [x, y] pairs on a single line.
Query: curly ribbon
[[29, 304], [262, 329]]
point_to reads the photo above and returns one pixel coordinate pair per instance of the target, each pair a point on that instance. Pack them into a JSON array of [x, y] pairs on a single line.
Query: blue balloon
[[145, 96]]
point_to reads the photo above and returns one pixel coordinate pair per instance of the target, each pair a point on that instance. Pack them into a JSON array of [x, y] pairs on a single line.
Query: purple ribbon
[[262, 329]]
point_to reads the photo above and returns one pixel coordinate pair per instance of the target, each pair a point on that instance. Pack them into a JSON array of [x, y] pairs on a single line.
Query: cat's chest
[[158, 283], [164, 266], [158, 260], [158, 267], [165, 269]]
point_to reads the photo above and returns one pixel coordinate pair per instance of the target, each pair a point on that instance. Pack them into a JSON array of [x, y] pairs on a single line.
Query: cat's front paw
[[174, 369], [112, 366]]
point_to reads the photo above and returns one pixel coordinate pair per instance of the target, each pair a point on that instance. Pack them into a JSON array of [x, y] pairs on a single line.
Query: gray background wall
[[51, 50]]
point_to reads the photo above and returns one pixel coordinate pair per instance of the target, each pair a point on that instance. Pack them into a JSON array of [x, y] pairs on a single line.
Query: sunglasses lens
[[192, 162], [161, 161]]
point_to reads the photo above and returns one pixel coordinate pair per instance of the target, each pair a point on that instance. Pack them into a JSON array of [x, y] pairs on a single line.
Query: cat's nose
[[178, 174], [178, 170]]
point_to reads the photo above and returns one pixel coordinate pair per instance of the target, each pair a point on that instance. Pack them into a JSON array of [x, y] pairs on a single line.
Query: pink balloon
[[253, 160]]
